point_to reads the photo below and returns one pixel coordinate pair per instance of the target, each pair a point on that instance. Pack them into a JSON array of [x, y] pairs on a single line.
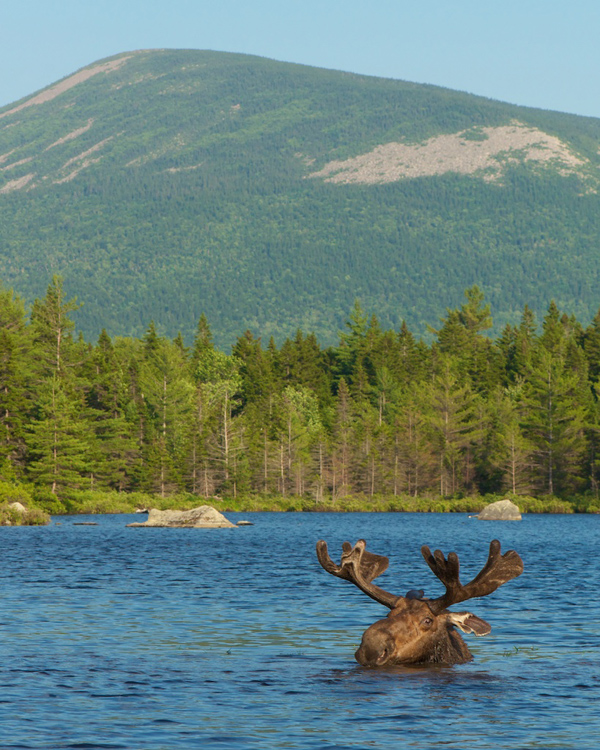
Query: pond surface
[[114, 637]]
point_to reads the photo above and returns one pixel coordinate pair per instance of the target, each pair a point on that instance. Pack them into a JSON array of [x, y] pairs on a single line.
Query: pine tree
[[52, 329], [342, 442], [414, 461], [218, 402], [254, 367], [353, 345], [591, 344], [300, 428], [117, 459], [14, 379], [525, 343], [477, 359], [60, 442], [168, 396], [454, 427], [556, 415], [512, 452], [203, 344]]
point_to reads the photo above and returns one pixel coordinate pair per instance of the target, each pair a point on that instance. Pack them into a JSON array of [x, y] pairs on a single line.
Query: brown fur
[[419, 630], [412, 634]]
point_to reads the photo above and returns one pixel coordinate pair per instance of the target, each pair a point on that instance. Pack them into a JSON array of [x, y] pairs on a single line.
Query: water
[[160, 639]]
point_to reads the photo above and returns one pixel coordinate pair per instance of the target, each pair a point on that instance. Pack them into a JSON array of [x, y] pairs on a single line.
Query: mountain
[[165, 184]]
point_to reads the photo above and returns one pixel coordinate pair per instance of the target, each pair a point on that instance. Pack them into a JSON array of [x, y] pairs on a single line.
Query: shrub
[[48, 501], [13, 492], [10, 516]]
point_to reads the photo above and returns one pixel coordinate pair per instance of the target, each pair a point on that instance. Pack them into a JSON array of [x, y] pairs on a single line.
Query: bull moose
[[419, 630]]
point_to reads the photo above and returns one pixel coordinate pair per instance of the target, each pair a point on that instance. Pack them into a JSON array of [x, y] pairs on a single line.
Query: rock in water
[[204, 517], [502, 510]]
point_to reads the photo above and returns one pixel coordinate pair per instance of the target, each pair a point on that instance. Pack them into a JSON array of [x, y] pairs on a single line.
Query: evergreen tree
[[477, 359], [556, 415], [52, 329], [512, 452], [342, 442], [117, 458], [168, 396], [14, 379], [454, 427], [203, 345], [415, 465], [60, 442], [525, 343], [219, 392], [591, 344], [254, 368], [300, 428], [352, 348]]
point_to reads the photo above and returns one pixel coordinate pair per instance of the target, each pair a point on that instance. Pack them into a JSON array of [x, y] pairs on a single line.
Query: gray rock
[[203, 517], [502, 510], [19, 507]]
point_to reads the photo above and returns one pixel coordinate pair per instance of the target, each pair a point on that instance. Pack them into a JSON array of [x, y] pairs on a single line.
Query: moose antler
[[360, 568], [498, 570]]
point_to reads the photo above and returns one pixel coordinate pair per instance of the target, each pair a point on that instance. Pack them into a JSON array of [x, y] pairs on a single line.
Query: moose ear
[[470, 623]]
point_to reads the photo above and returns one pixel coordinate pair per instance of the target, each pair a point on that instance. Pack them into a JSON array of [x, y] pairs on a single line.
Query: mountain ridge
[[165, 184]]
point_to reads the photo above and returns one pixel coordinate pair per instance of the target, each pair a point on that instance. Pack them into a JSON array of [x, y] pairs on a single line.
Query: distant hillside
[[166, 184]]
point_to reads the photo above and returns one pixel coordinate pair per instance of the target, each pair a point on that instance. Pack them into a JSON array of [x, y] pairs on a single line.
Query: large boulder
[[19, 507], [203, 517], [502, 510]]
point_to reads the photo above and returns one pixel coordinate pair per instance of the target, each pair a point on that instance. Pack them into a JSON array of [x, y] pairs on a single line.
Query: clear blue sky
[[541, 53]]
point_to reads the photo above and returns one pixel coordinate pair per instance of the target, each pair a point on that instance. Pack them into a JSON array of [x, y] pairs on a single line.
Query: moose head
[[419, 630]]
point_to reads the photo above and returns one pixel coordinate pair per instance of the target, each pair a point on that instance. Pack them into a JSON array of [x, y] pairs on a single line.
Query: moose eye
[[428, 621]]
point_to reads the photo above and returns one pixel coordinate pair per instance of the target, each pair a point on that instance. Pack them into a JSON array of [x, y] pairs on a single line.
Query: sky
[[538, 53]]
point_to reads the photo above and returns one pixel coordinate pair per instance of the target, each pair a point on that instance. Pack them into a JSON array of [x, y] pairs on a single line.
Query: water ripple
[[115, 638]]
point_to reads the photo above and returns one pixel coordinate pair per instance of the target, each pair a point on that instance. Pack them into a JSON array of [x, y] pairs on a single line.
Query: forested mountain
[[162, 185]]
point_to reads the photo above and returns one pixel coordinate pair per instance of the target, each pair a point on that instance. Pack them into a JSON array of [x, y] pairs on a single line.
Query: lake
[[160, 639]]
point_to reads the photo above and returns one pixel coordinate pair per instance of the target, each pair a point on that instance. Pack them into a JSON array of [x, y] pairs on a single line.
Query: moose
[[419, 630]]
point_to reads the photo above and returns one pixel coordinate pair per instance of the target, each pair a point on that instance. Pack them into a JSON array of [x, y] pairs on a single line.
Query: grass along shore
[[40, 504]]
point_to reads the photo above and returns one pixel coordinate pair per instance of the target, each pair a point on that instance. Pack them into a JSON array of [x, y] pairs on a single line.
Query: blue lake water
[[115, 637]]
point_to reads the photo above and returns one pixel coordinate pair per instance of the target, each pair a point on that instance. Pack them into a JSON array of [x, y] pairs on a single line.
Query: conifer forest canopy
[[379, 413], [163, 184]]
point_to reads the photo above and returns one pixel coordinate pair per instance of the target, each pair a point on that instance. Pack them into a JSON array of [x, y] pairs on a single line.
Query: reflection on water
[[164, 638]]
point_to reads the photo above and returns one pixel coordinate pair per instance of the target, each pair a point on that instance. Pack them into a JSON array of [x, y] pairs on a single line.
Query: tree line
[[382, 413]]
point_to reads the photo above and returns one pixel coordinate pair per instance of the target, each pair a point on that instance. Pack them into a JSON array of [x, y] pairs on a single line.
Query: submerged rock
[[203, 517], [502, 510]]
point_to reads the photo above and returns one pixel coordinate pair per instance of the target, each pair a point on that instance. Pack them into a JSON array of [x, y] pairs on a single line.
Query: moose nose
[[367, 657], [370, 656]]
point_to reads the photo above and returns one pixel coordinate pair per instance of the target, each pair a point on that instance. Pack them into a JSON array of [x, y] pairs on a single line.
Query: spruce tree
[[14, 380], [61, 439], [555, 419], [453, 426]]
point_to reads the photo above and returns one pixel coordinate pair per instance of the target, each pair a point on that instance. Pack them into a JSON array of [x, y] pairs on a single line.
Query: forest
[[381, 414], [180, 184]]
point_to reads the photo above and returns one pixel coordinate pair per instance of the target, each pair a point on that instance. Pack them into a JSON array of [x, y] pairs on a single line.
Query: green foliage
[[380, 422], [31, 517], [12, 492], [15, 493], [544, 504], [45, 499], [157, 208]]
